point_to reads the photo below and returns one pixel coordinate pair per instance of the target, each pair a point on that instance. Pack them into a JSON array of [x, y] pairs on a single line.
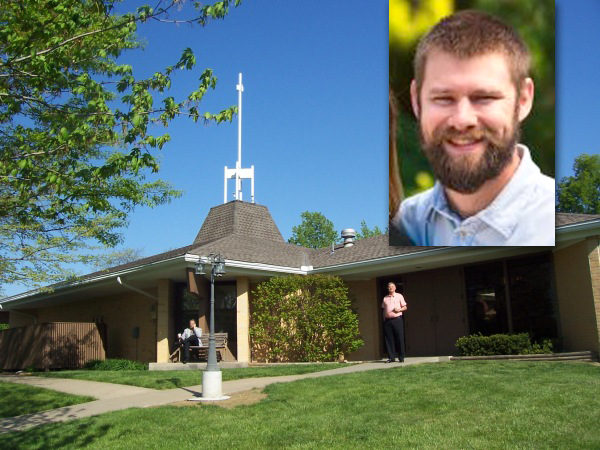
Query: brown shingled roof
[[255, 250], [246, 232], [237, 217], [570, 218], [362, 250]]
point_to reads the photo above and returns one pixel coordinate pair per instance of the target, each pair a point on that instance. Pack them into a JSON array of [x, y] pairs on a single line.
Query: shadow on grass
[[176, 382], [52, 436]]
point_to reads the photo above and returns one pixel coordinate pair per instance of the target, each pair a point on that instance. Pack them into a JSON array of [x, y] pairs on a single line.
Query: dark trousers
[[393, 330], [192, 340]]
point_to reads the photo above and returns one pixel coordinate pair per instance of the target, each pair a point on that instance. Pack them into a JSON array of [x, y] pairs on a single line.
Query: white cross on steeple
[[238, 173]]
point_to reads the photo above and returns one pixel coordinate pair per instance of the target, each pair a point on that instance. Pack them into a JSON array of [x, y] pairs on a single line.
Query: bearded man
[[470, 94]]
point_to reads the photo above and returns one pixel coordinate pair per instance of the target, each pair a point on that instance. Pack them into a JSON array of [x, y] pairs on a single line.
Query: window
[[486, 299], [525, 303]]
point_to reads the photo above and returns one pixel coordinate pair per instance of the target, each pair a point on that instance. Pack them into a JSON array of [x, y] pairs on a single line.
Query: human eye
[[442, 100], [484, 99]]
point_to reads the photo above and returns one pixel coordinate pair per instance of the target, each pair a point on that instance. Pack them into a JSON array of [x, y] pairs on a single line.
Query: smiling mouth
[[464, 144]]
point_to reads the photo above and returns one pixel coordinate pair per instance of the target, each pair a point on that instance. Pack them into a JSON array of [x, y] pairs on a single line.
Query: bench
[[202, 350]]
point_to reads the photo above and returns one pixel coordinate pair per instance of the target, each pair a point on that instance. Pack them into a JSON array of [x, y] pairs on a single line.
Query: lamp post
[[212, 378]]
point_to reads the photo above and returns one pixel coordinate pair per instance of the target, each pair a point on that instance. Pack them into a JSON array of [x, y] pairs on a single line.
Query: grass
[[18, 399], [446, 405], [169, 379]]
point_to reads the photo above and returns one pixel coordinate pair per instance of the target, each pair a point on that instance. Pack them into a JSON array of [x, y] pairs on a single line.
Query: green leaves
[[366, 232], [581, 193], [303, 318], [78, 131], [315, 231]]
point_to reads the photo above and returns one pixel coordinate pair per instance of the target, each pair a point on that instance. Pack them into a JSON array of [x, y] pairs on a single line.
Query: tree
[[315, 231], [581, 193], [303, 318], [77, 129], [366, 232], [118, 257]]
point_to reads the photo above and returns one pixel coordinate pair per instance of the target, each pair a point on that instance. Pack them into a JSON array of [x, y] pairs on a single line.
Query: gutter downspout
[[133, 288]]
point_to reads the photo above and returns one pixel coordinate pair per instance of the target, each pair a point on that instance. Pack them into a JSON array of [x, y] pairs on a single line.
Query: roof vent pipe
[[348, 235]]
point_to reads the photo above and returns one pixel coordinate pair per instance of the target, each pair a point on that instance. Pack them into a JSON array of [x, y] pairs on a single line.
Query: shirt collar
[[501, 214]]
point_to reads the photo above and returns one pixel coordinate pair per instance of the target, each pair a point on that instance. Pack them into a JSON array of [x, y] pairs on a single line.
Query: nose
[[463, 116]]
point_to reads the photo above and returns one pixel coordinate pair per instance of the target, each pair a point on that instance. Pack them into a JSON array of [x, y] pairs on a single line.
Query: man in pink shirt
[[393, 325]]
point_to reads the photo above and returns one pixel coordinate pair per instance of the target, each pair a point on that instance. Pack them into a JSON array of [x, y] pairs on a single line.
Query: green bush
[[303, 318], [115, 364], [501, 344], [3, 326]]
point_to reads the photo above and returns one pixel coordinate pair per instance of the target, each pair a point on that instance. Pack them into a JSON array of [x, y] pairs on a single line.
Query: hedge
[[303, 318], [501, 344], [114, 364]]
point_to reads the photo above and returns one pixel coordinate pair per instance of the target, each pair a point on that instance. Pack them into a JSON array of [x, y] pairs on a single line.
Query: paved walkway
[[114, 397]]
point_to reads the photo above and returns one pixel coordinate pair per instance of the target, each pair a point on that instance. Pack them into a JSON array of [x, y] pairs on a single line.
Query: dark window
[[486, 299], [187, 307], [226, 310], [532, 296]]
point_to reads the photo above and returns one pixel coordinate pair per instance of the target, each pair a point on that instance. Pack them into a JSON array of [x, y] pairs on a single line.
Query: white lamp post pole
[[212, 377]]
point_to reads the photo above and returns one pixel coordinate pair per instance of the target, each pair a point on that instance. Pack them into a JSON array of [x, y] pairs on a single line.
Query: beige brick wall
[[575, 291], [121, 313], [164, 323], [243, 320], [593, 245]]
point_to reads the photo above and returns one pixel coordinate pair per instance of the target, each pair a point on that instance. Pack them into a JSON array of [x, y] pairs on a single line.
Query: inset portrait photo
[[472, 123]]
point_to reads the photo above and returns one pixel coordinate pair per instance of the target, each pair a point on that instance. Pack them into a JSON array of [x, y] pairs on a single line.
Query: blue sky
[[578, 89], [314, 111], [314, 122]]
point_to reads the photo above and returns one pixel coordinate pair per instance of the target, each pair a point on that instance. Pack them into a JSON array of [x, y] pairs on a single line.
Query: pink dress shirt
[[390, 303]]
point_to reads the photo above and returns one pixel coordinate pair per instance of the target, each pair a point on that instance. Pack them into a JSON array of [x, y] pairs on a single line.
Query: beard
[[467, 173]]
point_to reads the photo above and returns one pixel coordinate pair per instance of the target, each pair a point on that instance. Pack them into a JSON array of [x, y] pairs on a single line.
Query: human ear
[[526, 98], [414, 97]]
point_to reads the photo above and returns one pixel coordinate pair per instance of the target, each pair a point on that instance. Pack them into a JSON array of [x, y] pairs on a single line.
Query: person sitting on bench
[[190, 336]]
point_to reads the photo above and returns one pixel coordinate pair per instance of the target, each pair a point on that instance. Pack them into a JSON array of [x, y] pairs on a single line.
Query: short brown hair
[[470, 33]]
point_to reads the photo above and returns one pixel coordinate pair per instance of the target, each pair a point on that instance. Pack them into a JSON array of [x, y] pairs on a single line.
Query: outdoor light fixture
[[200, 268], [212, 378], [219, 268]]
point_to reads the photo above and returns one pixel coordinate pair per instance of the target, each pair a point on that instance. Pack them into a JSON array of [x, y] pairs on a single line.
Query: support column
[[199, 286], [243, 320], [594, 259], [164, 332]]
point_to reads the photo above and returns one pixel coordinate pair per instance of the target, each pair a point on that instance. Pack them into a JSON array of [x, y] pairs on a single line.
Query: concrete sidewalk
[[99, 390], [114, 397]]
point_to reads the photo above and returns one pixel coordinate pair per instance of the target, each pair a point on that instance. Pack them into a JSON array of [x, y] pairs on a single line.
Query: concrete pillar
[[164, 327], [199, 285], [243, 320], [594, 259]]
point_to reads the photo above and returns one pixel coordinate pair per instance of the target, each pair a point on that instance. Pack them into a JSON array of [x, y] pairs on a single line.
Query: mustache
[[482, 132]]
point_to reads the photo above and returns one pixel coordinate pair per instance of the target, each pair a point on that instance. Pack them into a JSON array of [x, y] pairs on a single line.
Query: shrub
[[500, 344], [303, 318], [3, 326], [115, 364]]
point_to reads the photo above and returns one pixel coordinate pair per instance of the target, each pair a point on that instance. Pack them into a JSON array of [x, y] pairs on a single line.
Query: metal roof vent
[[348, 235]]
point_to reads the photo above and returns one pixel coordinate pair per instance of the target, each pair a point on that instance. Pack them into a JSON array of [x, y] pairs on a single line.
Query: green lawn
[[169, 379], [18, 399], [446, 405]]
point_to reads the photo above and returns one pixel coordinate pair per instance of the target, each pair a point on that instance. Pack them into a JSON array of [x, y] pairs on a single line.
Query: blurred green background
[[534, 20]]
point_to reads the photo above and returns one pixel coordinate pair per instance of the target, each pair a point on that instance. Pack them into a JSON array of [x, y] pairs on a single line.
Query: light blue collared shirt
[[522, 214]]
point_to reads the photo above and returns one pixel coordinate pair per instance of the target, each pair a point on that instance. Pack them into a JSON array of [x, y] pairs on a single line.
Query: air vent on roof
[[348, 235]]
